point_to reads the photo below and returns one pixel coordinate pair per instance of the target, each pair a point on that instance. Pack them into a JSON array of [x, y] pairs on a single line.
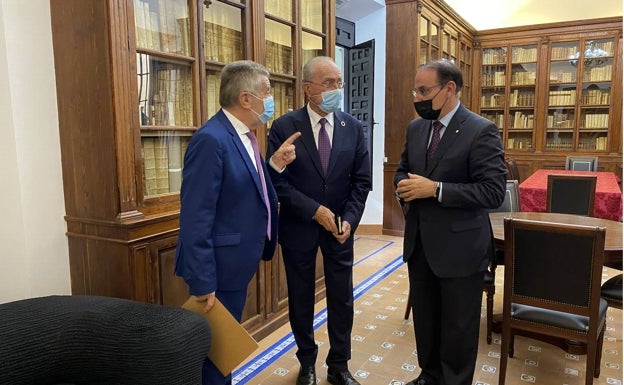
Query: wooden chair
[[611, 291], [552, 287], [512, 169], [571, 194], [581, 163]]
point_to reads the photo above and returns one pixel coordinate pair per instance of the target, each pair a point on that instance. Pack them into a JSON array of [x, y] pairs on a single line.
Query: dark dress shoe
[[307, 376], [421, 380], [341, 378]]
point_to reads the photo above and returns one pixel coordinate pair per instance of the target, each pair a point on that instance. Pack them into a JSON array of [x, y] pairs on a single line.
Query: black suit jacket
[[456, 234], [302, 187]]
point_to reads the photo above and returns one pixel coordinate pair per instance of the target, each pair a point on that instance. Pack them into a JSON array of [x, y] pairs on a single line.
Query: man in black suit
[[322, 200], [451, 171]]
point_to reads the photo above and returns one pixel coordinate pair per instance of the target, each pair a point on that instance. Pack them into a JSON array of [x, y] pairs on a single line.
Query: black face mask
[[425, 110]]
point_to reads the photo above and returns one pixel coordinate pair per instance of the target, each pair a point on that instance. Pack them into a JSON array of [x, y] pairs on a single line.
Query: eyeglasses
[[423, 91], [328, 84]]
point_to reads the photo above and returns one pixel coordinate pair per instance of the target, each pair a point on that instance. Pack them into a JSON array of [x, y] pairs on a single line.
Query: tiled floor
[[383, 349]]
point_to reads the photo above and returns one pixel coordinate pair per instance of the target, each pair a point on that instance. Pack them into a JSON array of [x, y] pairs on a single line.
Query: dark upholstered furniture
[[89, 340], [581, 163], [552, 287], [611, 291], [571, 194], [512, 170]]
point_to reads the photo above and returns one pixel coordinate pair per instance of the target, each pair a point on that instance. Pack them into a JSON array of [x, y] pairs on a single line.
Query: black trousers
[[300, 275], [447, 313]]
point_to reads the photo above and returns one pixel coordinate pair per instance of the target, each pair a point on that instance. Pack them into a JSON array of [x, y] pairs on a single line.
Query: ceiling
[[508, 13]]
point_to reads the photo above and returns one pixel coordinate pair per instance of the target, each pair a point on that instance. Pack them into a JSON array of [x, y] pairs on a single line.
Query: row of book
[[222, 44], [598, 144], [170, 99], [596, 97], [162, 25], [523, 78], [494, 56], [519, 144], [163, 159], [279, 58], [518, 98], [493, 79], [562, 76], [496, 118], [521, 120], [560, 120], [563, 52], [595, 121], [523, 55], [598, 74], [562, 98]]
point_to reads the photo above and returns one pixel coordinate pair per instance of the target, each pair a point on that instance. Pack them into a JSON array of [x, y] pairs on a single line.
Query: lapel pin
[[456, 131], [342, 123]]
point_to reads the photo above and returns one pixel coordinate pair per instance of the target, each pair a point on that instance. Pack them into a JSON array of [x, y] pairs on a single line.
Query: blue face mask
[[331, 100], [269, 109]]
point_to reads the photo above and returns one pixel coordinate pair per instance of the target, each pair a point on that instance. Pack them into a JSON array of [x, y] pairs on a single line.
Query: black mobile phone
[[338, 220]]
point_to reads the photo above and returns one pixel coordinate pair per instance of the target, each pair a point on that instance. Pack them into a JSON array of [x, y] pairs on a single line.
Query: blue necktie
[[324, 146], [256, 150]]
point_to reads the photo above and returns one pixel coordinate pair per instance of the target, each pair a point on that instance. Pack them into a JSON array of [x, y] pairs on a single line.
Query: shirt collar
[[239, 126], [314, 117], [446, 119]]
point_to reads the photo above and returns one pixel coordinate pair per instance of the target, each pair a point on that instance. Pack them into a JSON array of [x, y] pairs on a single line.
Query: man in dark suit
[[322, 196], [228, 214], [451, 170]]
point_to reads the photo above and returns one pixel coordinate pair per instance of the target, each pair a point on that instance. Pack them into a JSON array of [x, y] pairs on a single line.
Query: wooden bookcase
[[553, 90], [135, 79], [416, 32]]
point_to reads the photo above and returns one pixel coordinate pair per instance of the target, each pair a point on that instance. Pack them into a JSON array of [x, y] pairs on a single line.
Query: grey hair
[[308, 68], [239, 76]]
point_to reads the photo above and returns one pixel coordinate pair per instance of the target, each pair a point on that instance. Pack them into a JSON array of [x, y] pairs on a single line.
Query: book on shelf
[[161, 156], [174, 147], [149, 166]]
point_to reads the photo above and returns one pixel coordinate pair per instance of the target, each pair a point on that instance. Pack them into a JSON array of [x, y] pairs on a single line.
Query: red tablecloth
[[608, 204]]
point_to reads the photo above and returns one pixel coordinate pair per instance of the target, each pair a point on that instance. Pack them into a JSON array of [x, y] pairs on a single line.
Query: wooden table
[[613, 237], [613, 254], [608, 197]]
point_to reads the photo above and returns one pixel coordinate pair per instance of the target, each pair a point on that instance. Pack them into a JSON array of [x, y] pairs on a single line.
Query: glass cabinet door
[[493, 81], [561, 117], [223, 32], [595, 94], [165, 83], [522, 97]]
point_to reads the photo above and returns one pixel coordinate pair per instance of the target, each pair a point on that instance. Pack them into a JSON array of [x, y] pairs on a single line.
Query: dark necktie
[[324, 146], [256, 150], [435, 138]]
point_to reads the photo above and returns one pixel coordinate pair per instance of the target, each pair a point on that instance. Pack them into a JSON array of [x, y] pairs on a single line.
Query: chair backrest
[[571, 194], [554, 266], [512, 198], [512, 170], [582, 163]]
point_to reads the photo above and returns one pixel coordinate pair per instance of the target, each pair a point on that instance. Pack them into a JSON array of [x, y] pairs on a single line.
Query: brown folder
[[231, 343]]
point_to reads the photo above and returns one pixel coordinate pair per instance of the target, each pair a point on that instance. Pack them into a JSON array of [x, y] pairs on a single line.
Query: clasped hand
[[286, 154], [326, 218], [415, 187]]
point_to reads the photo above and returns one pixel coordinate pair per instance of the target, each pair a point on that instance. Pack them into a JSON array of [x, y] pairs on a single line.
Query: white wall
[[33, 247], [370, 27]]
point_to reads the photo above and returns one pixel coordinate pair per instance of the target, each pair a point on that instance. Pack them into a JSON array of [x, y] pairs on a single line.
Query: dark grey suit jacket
[[456, 234]]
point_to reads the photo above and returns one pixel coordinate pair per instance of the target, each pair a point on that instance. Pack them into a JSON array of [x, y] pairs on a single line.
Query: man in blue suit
[[451, 171], [228, 214], [322, 196]]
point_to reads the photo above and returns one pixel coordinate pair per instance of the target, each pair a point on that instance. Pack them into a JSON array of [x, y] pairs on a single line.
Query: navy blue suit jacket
[[223, 217], [303, 187], [456, 234]]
